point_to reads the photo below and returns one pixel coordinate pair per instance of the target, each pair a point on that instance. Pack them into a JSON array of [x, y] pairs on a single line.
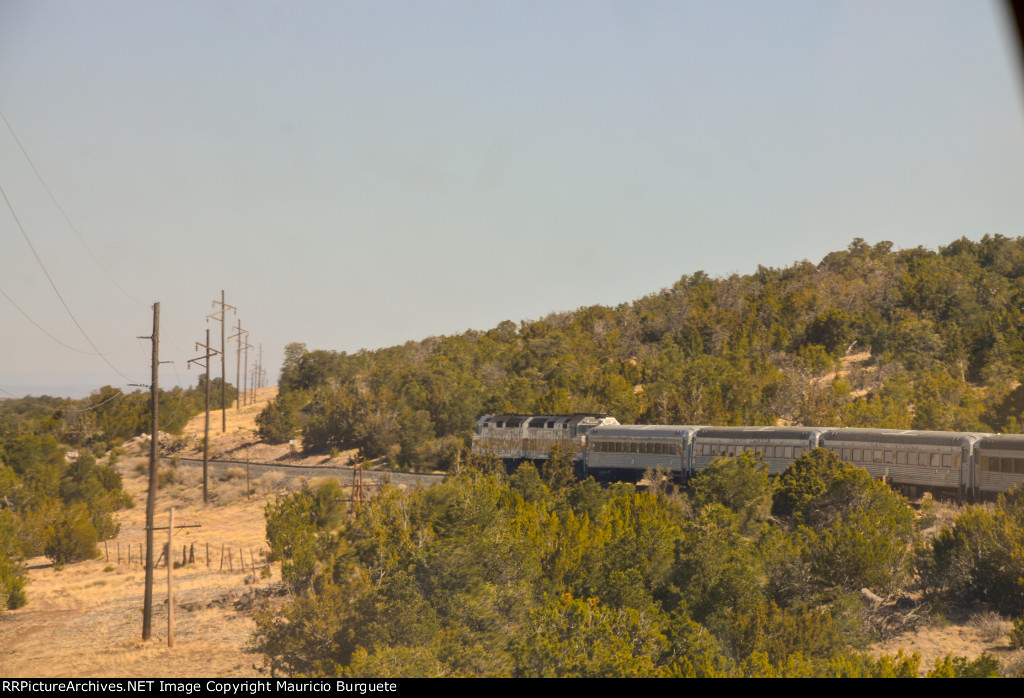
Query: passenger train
[[966, 465]]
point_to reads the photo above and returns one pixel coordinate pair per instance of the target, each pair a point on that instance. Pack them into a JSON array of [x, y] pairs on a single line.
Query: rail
[[343, 473]]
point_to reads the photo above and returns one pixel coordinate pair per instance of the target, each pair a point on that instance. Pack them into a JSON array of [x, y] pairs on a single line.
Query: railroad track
[[343, 474]]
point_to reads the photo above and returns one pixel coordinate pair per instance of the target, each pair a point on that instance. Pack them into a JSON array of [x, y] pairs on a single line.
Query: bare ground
[[960, 633], [239, 442]]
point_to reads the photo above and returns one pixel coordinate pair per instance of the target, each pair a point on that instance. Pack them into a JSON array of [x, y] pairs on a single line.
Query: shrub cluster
[[495, 575]]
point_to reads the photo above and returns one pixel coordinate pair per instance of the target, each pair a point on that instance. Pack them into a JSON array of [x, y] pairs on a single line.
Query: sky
[[361, 174]]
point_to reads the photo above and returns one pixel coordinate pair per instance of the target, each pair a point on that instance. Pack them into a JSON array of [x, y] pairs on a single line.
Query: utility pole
[[147, 610], [206, 433], [238, 363], [170, 536], [219, 316], [252, 392], [170, 571], [247, 346]]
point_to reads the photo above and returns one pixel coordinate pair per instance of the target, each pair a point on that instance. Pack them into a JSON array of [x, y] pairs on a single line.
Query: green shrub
[[984, 667], [981, 558], [279, 421], [739, 483], [1017, 634], [807, 479], [12, 572], [71, 538], [300, 526]]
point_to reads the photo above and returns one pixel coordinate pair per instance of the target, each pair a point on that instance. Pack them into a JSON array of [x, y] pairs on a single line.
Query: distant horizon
[[70, 385]]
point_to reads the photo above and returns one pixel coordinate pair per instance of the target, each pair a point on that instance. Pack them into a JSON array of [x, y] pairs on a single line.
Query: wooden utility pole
[[170, 552], [246, 348], [357, 487], [254, 386], [238, 362], [220, 317], [147, 609], [206, 433], [170, 570]]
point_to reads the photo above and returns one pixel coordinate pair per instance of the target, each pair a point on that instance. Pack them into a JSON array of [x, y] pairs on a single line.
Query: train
[[516, 438], [965, 465]]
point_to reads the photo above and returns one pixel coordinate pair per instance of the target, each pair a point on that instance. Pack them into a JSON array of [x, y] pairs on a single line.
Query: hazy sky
[[359, 174]]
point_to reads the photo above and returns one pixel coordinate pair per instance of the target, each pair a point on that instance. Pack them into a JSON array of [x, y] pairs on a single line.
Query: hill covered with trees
[[944, 330]]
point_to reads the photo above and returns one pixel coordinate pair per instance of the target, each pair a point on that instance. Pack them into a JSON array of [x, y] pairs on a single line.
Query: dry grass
[[268, 482], [1012, 664], [990, 626], [960, 634], [239, 442], [936, 515]]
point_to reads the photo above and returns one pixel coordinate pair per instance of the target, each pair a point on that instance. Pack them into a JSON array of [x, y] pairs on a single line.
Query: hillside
[[241, 441], [867, 337]]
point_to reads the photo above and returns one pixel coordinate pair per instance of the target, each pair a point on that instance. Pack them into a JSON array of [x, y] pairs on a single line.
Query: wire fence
[[222, 558]]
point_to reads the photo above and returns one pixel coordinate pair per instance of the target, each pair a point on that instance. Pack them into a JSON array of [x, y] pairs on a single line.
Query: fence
[[135, 554]]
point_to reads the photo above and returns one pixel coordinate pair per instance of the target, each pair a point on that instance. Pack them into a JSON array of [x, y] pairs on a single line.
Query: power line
[[138, 343], [53, 285], [118, 394], [181, 396], [41, 328], [64, 213]]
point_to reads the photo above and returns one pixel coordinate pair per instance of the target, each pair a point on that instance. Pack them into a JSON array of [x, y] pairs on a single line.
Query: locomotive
[[965, 465], [516, 438]]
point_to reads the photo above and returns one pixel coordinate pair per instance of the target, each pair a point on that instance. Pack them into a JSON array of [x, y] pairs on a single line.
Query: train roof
[[541, 420], [620, 431], [1001, 442], [766, 432], [885, 436]]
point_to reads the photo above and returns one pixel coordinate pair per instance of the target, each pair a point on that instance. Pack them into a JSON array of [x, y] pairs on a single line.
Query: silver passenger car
[[999, 463], [627, 451], [778, 446], [940, 461]]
